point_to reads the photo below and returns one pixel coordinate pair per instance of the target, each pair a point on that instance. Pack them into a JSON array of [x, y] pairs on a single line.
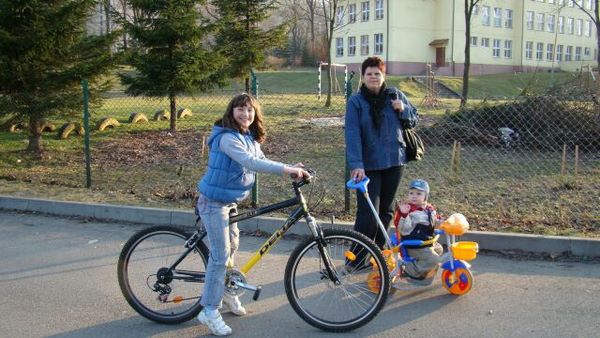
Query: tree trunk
[[597, 22], [35, 135], [173, 106], [467, 65], [247, 85]]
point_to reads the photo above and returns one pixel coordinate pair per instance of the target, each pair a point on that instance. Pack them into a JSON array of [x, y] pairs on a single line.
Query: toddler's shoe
[[234, 305], [215, 322]]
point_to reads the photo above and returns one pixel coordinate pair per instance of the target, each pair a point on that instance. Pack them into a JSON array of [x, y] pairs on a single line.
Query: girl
[[235, 157]]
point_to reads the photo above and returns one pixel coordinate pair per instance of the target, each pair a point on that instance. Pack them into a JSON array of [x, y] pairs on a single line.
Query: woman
[[374, 144]]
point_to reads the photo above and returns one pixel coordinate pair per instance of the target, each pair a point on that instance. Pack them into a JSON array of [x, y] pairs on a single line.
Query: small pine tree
[[171, 54], [45, 53], [240, 38]]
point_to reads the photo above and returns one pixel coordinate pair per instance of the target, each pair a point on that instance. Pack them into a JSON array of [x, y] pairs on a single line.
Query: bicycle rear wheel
[[152, 290], [322, 303]]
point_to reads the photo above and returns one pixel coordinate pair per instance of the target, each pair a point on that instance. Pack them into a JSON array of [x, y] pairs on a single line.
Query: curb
[[494, 241]]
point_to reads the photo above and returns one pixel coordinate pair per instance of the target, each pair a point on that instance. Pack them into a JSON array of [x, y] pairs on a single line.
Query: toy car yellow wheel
[[374, 281], [458, 282]]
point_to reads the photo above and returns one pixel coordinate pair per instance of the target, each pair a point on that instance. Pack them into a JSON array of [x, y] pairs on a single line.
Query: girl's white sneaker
[[234, 305], [215, 322]]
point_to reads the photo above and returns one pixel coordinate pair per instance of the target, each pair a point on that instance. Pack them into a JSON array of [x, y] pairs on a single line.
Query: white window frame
[[561, 25], [579, 27], [539, 18], [378, 37], [364, 45], [485, 15], [559, 53], [485, 42], [530, 20], [508, 23], [587, 51], [365, 10], [508, 49], [339, 16], [568, 53], [351, 45], [577, 53], [339, 46], [539, 51], [549, 51], [474, 41], [570, 25], [529, 50], [497, 17], [378, 9], [351, 13], [589, 28], [550, 23], [496, 48]]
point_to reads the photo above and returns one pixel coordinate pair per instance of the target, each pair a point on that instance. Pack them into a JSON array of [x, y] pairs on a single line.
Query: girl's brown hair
[[256, 128]]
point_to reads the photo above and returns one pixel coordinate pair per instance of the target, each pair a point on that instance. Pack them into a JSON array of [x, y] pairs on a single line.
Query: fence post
[[346, 169], [254, 88], [86, 136]]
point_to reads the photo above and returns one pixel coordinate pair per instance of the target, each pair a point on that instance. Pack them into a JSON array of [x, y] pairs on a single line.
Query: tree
[[594, 15], [469, 6], [242, 41], [172, 55], [332, 16], [44, 55]]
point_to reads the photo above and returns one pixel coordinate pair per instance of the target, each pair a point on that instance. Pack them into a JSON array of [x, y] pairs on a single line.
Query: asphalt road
[[58, 279]]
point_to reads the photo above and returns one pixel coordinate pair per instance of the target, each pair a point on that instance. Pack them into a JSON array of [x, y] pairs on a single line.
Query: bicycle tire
[[142, 256], [338, 312]]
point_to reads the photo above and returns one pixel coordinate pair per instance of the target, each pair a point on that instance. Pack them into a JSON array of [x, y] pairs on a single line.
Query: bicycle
[[161, 271], [456, 276]]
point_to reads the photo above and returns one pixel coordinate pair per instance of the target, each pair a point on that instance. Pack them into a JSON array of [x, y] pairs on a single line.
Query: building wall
[[414, 24]]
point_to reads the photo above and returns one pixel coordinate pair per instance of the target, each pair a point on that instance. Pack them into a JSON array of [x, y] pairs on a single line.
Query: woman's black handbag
[[415, 149]]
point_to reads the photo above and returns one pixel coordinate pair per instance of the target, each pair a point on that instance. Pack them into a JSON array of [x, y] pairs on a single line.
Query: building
[[506, 35]]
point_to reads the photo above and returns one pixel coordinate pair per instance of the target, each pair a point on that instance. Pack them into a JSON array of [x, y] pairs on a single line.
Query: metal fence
[[529, 164]]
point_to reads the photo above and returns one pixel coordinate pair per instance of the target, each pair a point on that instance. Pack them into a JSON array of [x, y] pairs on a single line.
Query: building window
[[474, 41], [497, 17], [587, 51], [530, 20], [496, 48], [508, 23], [508, 49], [485, 42], [529, 50], [539, 21], [475, 10], [339, 46], [364, 45], [550, 23], [570, 23], [559, 52], [568, 53], [561, 24], [577, 53], [352, 13], [485, 15], [549, 52], [379, 43], [570, 3], [378, 9], [561, 2], [365, 11], [351, 46], [589, 4], [539, 51], [588, 28], [579, 27], [339, 17]]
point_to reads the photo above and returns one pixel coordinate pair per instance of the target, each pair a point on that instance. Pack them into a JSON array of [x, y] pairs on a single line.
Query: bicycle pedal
[[257, 293]]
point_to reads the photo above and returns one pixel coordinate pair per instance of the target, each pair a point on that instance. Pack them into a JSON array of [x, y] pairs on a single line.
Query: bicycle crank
[[235, 284]]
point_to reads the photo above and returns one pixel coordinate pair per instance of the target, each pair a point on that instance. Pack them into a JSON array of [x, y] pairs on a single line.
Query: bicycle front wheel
[[147, 281], [343, 306]]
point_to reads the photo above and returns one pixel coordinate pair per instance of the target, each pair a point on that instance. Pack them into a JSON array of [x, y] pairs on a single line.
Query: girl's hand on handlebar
[[297, 172]]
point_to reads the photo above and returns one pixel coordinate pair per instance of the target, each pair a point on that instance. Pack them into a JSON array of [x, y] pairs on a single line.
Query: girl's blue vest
[[226, 180]]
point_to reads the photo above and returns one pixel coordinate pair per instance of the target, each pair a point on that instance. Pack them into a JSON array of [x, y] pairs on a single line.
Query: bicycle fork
[[317, 233]]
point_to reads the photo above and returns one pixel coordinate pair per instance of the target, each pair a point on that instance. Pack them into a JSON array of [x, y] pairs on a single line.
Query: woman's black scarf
[[376, 102]]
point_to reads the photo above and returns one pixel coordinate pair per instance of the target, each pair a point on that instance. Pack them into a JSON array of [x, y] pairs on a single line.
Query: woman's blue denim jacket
[[371, 148]]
